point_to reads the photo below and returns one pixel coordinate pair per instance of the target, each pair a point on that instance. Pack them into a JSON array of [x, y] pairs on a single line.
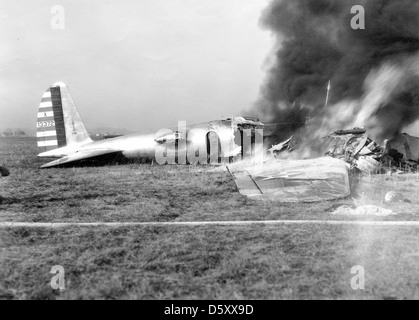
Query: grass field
[[213, 262]]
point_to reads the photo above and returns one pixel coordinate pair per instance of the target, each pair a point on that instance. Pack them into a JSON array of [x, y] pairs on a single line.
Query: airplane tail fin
[[59, 123]]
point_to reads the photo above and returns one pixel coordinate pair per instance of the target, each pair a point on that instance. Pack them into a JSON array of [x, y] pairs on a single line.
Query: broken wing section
[[310, 180], [81, 155]]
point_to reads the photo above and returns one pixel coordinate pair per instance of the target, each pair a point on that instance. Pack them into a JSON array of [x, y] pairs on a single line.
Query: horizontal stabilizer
[[81, 155]]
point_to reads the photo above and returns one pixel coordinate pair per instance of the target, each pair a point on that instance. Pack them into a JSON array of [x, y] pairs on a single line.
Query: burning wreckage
[[361, 153]]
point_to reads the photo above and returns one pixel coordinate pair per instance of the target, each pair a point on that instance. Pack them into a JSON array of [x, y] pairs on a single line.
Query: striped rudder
[[50, 126], [59, 123]]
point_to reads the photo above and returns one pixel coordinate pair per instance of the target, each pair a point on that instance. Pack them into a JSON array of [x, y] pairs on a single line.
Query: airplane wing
[[294, 180], [81, 155]]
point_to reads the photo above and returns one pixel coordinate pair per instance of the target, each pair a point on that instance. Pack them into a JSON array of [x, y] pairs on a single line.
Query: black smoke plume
[[315, 44]]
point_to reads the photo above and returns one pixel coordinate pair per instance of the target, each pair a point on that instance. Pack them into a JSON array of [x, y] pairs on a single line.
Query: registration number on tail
[[44, 124]]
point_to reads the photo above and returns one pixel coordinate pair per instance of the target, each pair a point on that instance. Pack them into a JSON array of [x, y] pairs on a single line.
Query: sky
[[139, 65]]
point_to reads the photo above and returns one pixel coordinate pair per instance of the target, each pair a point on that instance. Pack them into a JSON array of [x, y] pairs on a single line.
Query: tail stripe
[[45, 103], [58, 115], [46, 109], [45, 114], [46, 119], [49, 138], [47, 143], [46, 134]]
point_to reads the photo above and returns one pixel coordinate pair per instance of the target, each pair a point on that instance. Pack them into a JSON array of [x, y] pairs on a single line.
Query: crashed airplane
[[61, 134]]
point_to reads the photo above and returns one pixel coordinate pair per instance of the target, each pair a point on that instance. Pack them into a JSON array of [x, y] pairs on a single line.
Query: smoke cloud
[[374, 71]]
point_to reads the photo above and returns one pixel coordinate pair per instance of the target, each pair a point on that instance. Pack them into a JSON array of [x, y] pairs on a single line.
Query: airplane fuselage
[[185, 144]]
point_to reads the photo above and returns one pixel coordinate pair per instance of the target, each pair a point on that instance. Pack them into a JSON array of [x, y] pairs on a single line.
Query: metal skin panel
[[309, 180]]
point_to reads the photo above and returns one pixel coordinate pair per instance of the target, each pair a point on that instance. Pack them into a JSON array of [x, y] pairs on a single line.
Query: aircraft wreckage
[[325, 178], [61, 134], [361, 153]]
